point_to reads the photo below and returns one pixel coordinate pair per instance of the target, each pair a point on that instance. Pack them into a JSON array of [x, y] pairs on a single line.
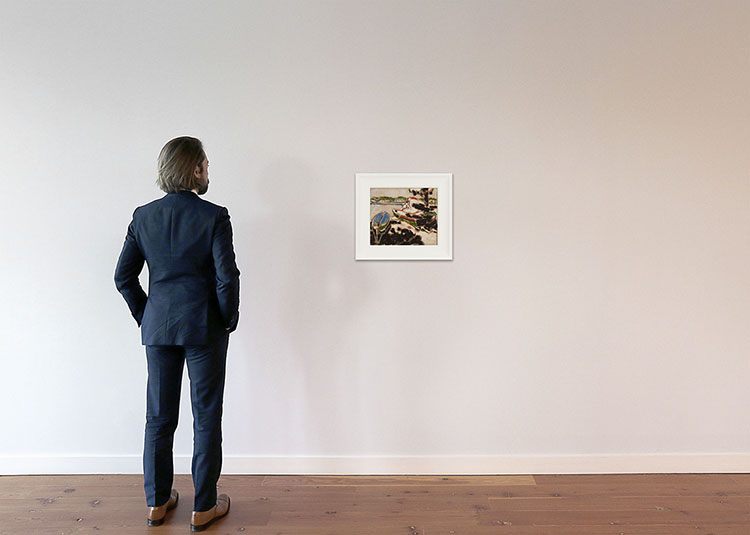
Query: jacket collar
[[183, 192]]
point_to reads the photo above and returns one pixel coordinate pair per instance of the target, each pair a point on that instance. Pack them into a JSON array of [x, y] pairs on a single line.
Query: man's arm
[[227, 274], [129, 266]]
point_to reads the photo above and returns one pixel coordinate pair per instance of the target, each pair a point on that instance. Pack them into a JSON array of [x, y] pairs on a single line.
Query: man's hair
[[177, 162]]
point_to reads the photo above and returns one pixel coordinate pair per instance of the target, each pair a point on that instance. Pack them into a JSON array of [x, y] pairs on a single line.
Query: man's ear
[[197, 171]]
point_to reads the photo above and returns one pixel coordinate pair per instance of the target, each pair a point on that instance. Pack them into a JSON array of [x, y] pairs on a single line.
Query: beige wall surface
[[598, 299]]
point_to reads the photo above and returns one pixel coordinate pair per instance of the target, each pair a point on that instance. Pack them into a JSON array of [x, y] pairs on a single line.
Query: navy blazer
[[194, 284]]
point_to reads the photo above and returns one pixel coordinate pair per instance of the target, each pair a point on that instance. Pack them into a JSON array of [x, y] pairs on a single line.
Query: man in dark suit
[[191, 307]]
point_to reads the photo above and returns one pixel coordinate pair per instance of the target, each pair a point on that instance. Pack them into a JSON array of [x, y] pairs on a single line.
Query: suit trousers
[[207, 371]]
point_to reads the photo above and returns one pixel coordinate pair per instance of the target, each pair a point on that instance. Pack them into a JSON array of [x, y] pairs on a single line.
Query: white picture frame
[[365, 205]]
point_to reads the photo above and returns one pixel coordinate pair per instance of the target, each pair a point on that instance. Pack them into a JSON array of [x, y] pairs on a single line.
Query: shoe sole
[[154, 523], [205, 526]]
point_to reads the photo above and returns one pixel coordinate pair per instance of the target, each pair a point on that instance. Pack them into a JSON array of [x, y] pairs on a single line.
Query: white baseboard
[[394, 465]]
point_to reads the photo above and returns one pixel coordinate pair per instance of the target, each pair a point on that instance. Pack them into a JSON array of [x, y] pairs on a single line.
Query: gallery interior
[[575, 362]]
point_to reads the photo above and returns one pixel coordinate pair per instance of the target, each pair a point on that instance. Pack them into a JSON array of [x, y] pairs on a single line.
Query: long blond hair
[[177, 162]]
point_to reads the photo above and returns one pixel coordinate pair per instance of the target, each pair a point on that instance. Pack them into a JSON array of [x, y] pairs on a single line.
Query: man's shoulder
[[211, 205], [150, 205]]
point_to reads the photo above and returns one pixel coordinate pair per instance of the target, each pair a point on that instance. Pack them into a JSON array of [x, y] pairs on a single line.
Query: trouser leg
[[165, 365], [207, 367]]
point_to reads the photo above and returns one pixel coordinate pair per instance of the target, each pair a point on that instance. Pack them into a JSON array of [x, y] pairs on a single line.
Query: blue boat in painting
[[381, 221], [380, 225]]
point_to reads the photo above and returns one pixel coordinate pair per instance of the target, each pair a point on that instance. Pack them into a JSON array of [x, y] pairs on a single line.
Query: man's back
[[193, 294]]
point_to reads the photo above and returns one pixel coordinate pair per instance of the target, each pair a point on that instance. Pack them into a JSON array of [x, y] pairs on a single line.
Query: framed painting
[[403, 216]]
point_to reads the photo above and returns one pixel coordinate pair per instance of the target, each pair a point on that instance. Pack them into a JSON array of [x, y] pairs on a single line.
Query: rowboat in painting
[[380, 225], [381, 221]]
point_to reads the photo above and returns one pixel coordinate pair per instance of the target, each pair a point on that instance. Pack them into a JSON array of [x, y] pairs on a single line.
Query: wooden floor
[[624, 504]]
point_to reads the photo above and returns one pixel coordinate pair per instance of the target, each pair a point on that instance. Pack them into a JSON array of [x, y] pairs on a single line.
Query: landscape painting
[[403, 216]]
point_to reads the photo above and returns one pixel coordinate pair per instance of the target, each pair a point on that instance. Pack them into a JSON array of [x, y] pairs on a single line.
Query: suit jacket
[[194, 284]]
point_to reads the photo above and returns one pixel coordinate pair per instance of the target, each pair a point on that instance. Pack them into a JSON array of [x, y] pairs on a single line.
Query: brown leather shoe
[[156, 515], [202, 519]]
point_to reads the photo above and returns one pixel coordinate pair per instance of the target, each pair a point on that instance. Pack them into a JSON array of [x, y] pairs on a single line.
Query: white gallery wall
[[594, 316]]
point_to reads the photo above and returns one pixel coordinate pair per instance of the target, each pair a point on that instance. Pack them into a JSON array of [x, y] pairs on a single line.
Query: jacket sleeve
[[129, 266], [227, 274]]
